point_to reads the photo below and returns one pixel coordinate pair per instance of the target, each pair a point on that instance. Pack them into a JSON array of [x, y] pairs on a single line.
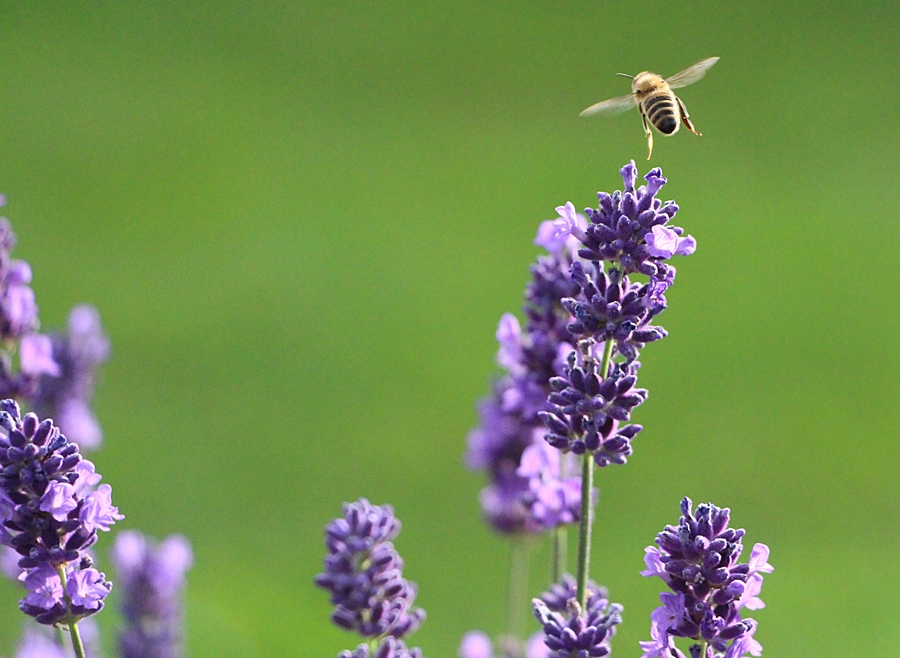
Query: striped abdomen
[[661, 110]]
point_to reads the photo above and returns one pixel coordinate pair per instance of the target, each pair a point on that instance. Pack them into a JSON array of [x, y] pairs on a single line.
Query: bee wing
[[690, 75], [611, 106]]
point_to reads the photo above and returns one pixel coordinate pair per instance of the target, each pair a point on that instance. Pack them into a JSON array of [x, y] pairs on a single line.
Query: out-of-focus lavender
[[55, 374], [67, 396], [151, 580], [476, 644], [364, 574], [529, 490], [698, 560], [50, 512]]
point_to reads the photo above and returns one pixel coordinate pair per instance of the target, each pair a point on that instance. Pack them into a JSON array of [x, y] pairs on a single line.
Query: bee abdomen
[[660, 110]]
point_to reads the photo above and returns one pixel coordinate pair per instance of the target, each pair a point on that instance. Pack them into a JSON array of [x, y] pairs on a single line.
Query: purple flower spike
[[66, 394], [151, 580], [51, 514], [698, 560], [364, 574]]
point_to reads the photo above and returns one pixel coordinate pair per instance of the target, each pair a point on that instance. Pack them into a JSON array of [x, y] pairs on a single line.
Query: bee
[[654, 98]]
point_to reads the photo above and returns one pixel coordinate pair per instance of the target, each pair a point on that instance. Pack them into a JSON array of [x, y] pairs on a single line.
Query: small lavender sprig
[[50, 513], [151, 578], [364, 574], [698, 560]]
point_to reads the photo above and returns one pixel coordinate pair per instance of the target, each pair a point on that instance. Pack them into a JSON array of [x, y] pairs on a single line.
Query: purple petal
[[36, 356]]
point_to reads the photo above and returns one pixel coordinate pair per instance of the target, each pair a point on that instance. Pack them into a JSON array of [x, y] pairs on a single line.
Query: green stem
[[584, 527], [74, 634], [587, 510], [518, 589], [559, 549]]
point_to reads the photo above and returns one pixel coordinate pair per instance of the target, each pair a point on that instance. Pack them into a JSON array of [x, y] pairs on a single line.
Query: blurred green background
[[302, 221]]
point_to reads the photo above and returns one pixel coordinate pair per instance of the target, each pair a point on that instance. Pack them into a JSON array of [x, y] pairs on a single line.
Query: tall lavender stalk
[[151, 577], [364, 574], [628, 234]]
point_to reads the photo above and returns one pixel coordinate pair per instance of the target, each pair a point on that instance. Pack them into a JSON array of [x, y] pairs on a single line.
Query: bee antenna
[[625, 75]]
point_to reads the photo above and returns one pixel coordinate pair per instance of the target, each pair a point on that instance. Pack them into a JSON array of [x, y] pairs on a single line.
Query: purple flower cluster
[[152, 578], [50, 512], [588, 407], [629, 228], [530, 488], [698, 560], [66, 396], [611, 315], [364, 574], [569, 631]]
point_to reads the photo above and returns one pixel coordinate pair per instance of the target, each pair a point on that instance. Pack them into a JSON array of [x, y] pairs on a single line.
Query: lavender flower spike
[[152, 579], [364, 574], [50, 513], [698, 560], [66, 394]]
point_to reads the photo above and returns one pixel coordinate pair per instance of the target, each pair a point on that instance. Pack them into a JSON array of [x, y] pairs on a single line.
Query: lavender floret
[[151, 579], [364, 574], [698, 560], [51, 510]]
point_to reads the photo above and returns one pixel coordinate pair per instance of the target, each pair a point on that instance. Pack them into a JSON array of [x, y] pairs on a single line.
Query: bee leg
[[686, 118], [648, 134]]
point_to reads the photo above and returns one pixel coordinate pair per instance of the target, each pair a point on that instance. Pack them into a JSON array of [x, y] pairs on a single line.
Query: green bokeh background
[[302, 221]]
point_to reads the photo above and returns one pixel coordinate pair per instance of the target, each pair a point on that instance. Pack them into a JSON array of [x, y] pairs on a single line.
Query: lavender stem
[[587, 510]]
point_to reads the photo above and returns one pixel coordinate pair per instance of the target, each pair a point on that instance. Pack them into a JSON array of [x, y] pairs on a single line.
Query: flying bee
[[654, 98]]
